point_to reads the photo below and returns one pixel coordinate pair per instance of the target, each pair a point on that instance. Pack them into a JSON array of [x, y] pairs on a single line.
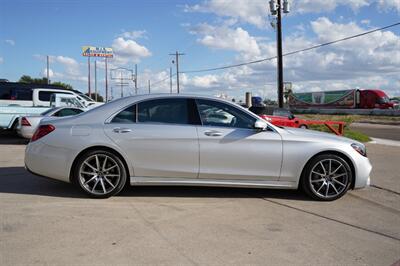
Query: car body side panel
[[240, 154], [159, 149]]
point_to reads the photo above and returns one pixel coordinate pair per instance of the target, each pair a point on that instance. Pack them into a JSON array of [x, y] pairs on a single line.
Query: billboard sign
[[93, 51]]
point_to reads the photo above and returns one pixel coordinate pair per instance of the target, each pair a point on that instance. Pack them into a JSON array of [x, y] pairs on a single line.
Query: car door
[[159, 137], [230, 148]]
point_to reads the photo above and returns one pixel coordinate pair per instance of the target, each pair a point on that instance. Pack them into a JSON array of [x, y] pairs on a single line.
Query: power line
[[293, 52]]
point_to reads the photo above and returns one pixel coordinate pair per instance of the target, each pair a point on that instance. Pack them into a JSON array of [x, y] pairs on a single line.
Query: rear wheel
[[303, 126], [100, 174], [326, 177]]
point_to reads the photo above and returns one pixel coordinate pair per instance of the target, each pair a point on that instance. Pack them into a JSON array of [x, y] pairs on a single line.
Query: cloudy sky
[[211, 33]]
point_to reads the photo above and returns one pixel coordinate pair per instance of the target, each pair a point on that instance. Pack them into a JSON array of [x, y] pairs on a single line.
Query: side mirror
[[260, 125]]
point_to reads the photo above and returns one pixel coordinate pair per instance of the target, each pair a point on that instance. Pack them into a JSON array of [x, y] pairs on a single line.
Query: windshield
[[383, 100], [85, 97]]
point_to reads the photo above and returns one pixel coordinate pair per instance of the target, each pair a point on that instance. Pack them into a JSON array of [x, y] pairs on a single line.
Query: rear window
[[128, 115], [170, 111]]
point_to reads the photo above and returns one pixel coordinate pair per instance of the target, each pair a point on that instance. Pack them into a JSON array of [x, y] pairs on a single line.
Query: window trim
[[189, 100]]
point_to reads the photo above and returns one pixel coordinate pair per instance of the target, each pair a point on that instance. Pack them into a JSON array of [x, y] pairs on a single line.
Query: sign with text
[[93, 51]]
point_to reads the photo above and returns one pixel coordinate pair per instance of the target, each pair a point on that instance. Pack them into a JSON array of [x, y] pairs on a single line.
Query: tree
[[64, 85], [93, 96], [29, 79]]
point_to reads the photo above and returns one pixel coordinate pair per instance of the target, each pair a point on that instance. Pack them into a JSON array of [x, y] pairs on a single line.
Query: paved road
[[378, 131], [49, 222]]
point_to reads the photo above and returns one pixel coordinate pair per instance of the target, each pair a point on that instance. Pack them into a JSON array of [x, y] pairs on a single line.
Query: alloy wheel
[[328, 178], [99, 174]]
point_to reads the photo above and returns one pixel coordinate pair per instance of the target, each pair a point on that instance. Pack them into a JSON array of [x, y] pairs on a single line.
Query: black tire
[[108, 189], [303, 126], [319, 183]]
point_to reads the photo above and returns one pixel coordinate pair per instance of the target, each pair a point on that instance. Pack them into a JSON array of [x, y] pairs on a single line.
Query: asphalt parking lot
[[51, 223]]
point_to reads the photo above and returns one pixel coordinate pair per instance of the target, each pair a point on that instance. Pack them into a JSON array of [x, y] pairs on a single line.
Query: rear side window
[[170, 111], [21, 94], [45, 95], [68, 112], [128, 115]]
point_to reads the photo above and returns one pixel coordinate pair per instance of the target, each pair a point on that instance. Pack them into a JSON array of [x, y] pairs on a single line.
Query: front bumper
[[363, 169]]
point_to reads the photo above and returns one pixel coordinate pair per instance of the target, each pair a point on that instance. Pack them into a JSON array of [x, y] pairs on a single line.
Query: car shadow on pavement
[[8, 137], [17, 180], [211, 192]]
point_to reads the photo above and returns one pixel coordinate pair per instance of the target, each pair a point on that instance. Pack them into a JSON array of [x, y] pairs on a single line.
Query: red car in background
[[279, 116]]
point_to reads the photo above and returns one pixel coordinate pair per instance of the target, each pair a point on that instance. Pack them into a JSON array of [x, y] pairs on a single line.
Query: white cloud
[[389, 5], [226, 38], [128, 51], [71, 66], [319, 6], [254, 12], [366, 62], [133, 35], [10, 42], [44, 73], [1, 60]]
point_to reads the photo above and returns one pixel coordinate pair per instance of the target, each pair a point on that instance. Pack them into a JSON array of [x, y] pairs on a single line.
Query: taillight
[[25, 122], [42, 131]]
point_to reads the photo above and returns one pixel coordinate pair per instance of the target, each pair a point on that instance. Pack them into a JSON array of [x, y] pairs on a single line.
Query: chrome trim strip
[[167, 181]]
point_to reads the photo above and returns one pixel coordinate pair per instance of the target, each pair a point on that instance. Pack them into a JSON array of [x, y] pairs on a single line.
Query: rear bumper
[[48, 161]]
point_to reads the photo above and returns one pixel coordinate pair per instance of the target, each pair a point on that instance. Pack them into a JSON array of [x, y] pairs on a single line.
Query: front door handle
[[213, 133], [121, 130]]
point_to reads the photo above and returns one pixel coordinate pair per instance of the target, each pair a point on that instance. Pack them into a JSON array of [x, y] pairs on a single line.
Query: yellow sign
[[93, 51]]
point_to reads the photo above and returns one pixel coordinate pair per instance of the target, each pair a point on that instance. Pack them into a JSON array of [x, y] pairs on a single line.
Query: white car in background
[[27, 125]]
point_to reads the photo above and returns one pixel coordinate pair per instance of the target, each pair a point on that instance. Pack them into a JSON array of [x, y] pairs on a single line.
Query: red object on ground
[[283, 117]]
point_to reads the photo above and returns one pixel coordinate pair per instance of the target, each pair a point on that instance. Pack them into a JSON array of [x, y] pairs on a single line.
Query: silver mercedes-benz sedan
[[195, 141]]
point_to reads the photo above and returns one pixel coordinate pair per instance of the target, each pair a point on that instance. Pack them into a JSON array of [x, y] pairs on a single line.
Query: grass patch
[[352, 118], [348, 133]]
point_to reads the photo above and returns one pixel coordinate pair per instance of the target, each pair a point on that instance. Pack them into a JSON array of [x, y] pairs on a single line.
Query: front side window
[[213, 113], [170, 111], [128, 115]]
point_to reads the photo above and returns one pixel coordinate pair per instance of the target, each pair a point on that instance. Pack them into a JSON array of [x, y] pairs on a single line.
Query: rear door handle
[[213, 133], [121, 130]]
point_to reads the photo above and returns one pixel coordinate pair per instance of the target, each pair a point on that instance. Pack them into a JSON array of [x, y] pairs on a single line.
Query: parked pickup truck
[[9, 114]]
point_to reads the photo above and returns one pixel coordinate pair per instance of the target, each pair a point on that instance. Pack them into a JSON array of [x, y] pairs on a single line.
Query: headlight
[[360, 148]]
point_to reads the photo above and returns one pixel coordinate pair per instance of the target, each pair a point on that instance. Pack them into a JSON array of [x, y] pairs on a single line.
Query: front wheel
[[100, 174], [326, 177]]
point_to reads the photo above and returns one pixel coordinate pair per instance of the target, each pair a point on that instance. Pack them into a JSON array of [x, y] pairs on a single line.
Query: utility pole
[[177, 68], [48, 73], [149, 87], [277, 8], [89, 90], [170, 79], [106, 76], [136, 79], [95, 80]]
